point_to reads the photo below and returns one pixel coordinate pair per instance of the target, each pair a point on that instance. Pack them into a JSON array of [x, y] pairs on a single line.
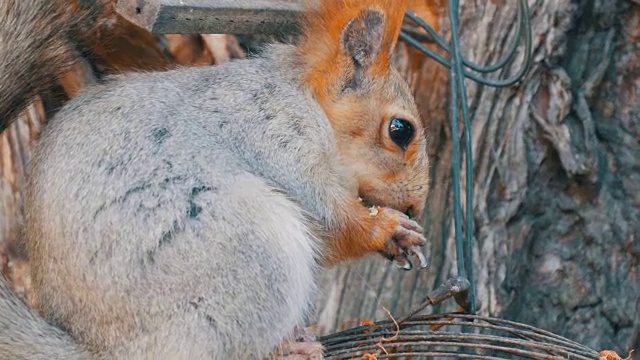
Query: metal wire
[[458, 99], [480, 338], [523, 30]]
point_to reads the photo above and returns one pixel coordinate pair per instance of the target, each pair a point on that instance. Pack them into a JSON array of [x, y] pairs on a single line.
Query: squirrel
[[185, 214]]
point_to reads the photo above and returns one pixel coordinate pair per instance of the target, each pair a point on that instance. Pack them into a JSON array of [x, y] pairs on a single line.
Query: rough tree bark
[[557, 181]]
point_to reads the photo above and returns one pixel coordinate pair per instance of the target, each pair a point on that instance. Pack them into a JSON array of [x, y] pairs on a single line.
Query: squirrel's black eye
[[401, 132]]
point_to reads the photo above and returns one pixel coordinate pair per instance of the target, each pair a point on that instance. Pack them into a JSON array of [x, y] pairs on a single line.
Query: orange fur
[[362, 234], [320, 50]]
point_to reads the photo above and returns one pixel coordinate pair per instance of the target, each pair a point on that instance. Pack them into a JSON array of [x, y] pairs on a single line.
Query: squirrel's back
[[37, 44], [146, 238]]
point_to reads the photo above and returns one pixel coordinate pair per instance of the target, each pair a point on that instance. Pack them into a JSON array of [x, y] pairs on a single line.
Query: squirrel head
[[345, 51]]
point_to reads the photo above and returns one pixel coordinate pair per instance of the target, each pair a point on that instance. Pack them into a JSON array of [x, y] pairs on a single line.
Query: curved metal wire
[[458, 336], [523, 30], [458, 66]]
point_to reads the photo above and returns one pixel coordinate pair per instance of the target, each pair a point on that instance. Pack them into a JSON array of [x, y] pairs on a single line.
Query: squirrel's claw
[[404, 258], [424, 262], [405, 240], [408, 265], [416, 251]]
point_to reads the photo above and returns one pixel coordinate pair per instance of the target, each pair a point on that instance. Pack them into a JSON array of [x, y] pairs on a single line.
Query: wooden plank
[[212, 16]]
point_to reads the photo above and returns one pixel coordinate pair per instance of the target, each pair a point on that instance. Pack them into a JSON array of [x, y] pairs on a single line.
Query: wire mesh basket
[[452, 336]]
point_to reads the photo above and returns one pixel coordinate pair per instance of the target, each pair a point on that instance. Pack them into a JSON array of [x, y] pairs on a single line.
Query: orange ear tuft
[[340, 35]]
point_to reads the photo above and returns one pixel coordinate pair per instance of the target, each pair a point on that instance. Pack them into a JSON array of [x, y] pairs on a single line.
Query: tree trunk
[[557, 181]]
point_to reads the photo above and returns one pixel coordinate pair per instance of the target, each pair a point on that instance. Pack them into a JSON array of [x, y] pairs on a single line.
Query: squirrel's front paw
[[403, 239]]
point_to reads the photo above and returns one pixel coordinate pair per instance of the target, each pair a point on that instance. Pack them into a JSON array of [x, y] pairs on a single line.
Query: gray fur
[[166, 221]]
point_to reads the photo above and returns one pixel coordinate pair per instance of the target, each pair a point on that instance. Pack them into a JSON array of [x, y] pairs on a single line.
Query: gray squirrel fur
[[184, 214]]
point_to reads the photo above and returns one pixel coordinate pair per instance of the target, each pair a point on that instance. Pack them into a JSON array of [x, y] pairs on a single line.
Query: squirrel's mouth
[[364, 202], [368, 202]]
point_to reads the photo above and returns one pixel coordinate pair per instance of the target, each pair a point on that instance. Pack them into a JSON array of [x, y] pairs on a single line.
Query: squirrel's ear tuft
[[347, 40], [362, 38]]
